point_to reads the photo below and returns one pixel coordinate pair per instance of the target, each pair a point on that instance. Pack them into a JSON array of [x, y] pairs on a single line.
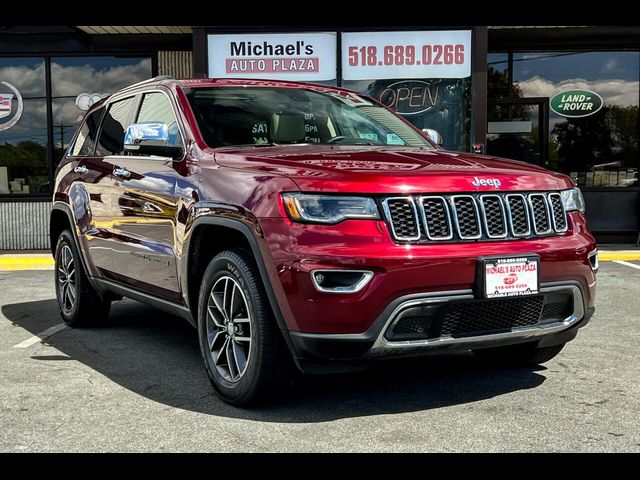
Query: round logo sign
[[7, 109], [576, 103]]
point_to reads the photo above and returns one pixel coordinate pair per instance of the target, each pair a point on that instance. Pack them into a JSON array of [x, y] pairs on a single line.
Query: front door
[[145, 208], [519, 129]]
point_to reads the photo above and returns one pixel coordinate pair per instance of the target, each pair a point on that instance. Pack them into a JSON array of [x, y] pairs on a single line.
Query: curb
[[612, 256], [8, 263], [14, 263]]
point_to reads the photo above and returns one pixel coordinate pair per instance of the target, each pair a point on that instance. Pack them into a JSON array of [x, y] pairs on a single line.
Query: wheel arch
[[60, 219], [226, 233]]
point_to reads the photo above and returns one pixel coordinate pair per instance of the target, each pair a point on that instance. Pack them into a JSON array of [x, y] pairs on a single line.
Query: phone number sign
[[380, 55]]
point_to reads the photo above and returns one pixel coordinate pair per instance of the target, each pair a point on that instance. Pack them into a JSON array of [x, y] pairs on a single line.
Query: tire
[[244, 353], [78, 302], [519, 355]]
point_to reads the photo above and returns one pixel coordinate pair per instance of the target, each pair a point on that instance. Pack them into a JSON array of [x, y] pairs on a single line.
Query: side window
[[156, 107], [114, 125], [86, 140]]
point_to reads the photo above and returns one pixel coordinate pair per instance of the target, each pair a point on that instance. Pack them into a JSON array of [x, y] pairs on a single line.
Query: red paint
[[510, 279], [245, 184]]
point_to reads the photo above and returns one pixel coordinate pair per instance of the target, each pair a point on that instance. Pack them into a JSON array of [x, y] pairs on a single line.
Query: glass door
[[518, 128]]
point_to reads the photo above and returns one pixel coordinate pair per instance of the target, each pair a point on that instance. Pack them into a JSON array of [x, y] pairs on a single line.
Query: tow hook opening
[[340, 281]]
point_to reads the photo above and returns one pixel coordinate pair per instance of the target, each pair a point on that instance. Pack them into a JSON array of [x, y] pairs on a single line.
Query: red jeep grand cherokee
[[304, 225]]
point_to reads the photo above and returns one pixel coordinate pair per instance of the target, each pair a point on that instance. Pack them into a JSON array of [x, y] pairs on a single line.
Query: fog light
[[340, 281]]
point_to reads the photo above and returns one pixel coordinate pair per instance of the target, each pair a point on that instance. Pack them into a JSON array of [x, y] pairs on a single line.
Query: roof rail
[[149, 80]]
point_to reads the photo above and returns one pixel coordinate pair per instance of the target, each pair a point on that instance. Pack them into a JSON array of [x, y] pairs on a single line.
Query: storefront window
[[78, 82], [23, 127], [440, 104], [497, 75], [593, 141]]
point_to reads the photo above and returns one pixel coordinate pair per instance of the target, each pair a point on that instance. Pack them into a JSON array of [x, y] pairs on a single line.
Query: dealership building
[[565, 98]]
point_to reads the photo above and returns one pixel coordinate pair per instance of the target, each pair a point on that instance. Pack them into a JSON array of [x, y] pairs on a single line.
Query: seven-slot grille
[[475, 216]]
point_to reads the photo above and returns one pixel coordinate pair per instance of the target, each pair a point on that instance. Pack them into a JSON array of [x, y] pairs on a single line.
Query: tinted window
[[115, 123], [156, 107], [86, 141]]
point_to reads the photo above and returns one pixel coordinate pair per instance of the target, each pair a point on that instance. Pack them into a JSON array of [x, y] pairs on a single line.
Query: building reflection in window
[[599, 150]]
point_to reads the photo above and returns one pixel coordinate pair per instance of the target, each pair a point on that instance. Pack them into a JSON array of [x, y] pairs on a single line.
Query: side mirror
[[434, 136], [151, 138]]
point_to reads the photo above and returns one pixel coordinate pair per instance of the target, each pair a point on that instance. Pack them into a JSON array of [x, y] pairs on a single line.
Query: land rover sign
[[576, 103]]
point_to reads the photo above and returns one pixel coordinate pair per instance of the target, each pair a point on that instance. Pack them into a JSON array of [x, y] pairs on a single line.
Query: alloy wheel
[[228, 324], [66, 273]]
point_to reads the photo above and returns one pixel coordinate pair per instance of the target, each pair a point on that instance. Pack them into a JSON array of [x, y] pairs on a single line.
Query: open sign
[[410, 97]]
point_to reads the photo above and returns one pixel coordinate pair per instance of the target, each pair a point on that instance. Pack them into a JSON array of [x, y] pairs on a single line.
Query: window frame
[[138, 108], [73, 141], [107, 105]]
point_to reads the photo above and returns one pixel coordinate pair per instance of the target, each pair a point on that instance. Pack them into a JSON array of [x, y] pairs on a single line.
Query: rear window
[[85, 143]]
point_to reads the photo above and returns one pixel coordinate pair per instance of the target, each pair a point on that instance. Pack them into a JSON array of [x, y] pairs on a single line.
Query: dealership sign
[[426, 54], [306, 57], [7, 109], [576, 103]]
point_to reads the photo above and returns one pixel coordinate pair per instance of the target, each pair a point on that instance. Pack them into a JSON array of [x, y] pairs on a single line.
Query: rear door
[[107, 253], [145, 208]]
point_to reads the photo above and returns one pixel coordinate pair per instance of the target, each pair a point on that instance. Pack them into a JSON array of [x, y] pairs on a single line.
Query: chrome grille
[[436, 218], [558, 213], [493, 216], [541, 221], [518, 214], [475, 216], [403, 216], [467, 220]]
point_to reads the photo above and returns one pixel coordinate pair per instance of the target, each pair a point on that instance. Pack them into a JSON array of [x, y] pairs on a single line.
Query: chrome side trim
[[484, 216], [553, 213], [423, 213], [367, 275], [595, 264], [382, 343], [533, 214], [457, 222], [387, 213]]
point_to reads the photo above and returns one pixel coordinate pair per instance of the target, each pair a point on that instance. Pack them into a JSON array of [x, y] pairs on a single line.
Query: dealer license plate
[[510, 276]]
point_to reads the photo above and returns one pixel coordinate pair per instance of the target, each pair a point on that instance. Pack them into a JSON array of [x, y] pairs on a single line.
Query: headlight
[[573, 200], [302, 207]]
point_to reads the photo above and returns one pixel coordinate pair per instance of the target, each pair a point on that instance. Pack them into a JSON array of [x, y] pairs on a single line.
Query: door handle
[[121, 172], [81, 169], [150, 208]]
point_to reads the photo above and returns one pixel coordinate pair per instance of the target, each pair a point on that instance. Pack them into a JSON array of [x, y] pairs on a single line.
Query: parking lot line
[[41, 336], [632, 265]]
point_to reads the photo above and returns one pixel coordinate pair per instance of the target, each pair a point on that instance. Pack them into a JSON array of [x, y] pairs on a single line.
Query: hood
[[387, 169]]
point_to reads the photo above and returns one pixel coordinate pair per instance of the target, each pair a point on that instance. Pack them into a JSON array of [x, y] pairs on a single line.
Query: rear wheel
[[522, 354], [243, 352], [78, 302]]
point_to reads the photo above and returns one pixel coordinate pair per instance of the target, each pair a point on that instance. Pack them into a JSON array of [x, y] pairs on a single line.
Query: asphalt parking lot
[[137, 384]]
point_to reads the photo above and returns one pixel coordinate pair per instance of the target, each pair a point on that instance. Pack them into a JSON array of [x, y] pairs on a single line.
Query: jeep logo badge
[[486, 182]]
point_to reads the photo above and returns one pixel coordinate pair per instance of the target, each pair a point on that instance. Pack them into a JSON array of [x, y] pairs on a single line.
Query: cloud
[[614, 92], [67, 81]]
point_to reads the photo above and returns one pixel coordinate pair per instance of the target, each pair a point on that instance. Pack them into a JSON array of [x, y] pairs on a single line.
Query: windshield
[[235, 116]]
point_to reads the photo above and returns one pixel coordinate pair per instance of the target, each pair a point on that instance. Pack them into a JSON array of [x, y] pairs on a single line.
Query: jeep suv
[[305, 227]]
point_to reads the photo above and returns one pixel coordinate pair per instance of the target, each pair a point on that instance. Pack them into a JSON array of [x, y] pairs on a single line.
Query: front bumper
[[296, 250], [321, 353]]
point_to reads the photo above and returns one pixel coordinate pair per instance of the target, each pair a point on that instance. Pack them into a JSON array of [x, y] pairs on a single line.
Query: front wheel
[[243, 352], [521, 354]]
